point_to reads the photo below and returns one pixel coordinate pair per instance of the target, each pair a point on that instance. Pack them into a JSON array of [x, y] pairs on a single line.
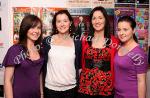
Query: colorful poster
[[121, 10], [104, 3], [78, 3], [47, 16], [18, 14], [142, 36], [142, 17], [142, 20]]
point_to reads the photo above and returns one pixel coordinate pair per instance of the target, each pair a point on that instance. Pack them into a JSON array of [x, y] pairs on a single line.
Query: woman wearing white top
[[62, 58]]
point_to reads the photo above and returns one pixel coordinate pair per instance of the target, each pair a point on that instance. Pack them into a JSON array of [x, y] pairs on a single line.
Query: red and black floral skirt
[[95, 82]]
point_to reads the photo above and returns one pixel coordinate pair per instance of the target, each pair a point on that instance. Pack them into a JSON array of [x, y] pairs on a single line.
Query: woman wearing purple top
[[23, 62], [130, 62]]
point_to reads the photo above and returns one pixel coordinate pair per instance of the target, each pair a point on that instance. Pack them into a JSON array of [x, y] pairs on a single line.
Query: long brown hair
[[29, 21]]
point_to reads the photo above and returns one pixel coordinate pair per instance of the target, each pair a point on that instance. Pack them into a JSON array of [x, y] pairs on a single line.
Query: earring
[[56, 31], [70, 28]]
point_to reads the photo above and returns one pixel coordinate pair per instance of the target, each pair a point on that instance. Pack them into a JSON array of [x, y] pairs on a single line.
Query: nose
[[97, 21], [37, 30], [62, 24]]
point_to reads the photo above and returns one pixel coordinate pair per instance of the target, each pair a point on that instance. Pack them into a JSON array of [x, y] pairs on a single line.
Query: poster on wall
[[18, 14], [143, 1], [110, 13], [104, 3], [122, 10], [78, 3], [142, 20], [125, 1], [81, 19], [47, 16]]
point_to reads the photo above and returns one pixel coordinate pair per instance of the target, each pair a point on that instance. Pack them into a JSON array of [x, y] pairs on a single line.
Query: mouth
[[122, 37]]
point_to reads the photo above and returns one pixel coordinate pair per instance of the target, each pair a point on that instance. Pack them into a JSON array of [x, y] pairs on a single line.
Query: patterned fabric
[[96, 78]]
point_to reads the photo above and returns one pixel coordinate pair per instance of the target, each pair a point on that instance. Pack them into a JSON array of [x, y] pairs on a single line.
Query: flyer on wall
[[78, 3], [104, 3]]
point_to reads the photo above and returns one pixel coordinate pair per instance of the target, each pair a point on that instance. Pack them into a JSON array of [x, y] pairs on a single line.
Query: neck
[[30, 44], [99, 34], [64, 35], [129, 44]]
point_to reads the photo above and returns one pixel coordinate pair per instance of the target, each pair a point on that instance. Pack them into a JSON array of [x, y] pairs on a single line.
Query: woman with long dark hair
[[97, 75], [23, 62]]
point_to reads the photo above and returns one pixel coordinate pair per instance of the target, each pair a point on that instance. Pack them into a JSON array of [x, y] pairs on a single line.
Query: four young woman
[[63, 55]]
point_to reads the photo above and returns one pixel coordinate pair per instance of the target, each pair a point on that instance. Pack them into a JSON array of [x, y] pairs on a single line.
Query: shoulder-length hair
[[29, 21], [72, 26]]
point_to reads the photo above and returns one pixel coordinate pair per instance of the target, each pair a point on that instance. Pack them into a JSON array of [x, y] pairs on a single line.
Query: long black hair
[[107, 34], [132, 24]]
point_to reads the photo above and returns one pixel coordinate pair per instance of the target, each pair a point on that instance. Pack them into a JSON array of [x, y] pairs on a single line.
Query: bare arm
[[41, 86], [8, 76], [141, 85]]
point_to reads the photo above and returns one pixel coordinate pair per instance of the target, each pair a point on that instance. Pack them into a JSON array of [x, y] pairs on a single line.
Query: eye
[[100, 17], [39, 27], [93, 18], [118, 29], [125, 29], [58, 21], [65, 20]]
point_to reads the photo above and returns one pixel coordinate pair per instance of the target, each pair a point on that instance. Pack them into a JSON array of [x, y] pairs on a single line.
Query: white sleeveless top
[[61, 73]]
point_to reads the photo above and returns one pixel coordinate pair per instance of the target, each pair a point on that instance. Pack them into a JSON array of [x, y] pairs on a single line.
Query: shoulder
[[114, 39], [15, 48], [139, 50]]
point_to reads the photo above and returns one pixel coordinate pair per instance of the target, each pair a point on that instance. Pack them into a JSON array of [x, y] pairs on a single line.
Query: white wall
[[5, 34]]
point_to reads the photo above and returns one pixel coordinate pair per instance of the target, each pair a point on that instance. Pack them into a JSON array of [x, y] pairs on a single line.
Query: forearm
[[142, 86], [141, 90], [41, 85], [8, 89]]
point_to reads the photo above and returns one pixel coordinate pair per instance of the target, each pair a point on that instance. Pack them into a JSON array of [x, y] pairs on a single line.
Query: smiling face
[[98, 21], [34, 33], [125, 31], [62, 23]]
